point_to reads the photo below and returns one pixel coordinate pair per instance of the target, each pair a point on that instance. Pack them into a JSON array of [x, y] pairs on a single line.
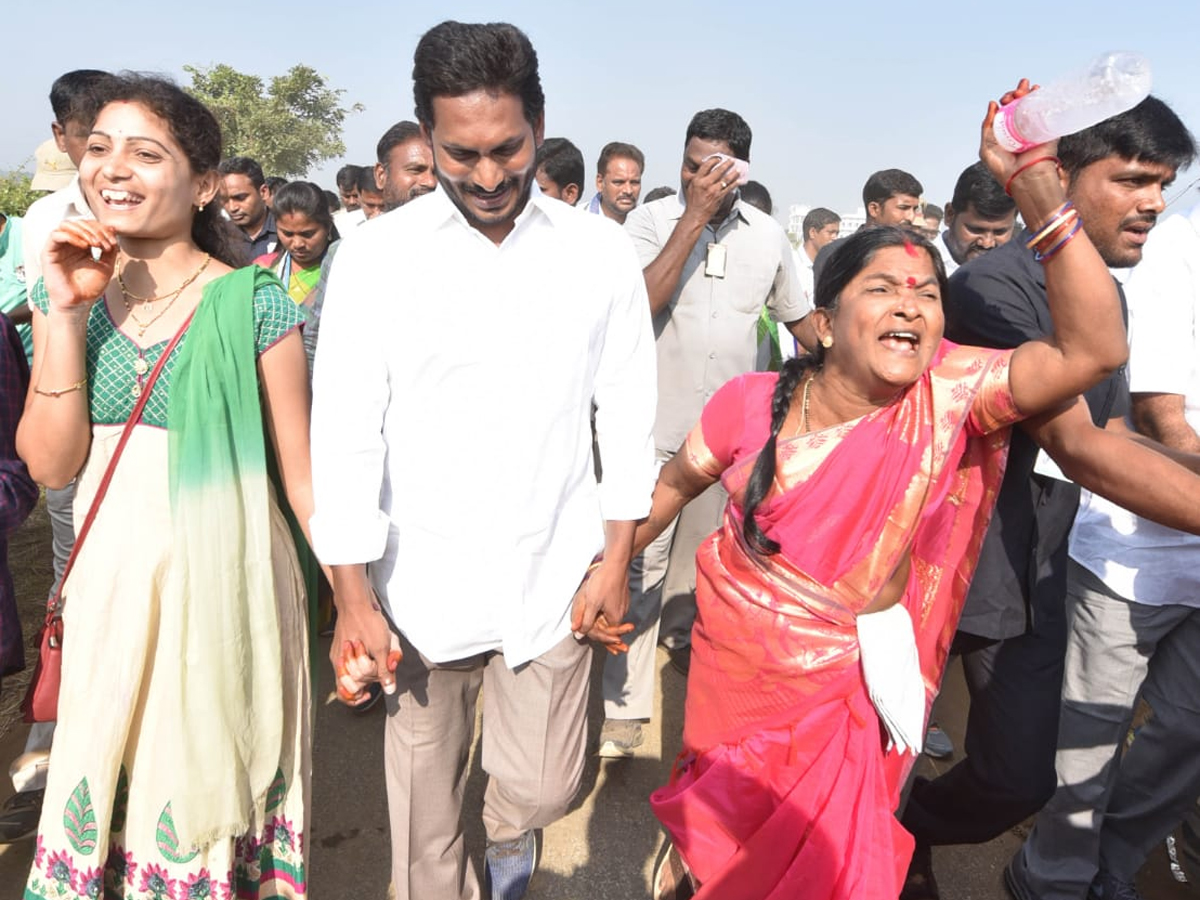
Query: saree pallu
[[784, 789]]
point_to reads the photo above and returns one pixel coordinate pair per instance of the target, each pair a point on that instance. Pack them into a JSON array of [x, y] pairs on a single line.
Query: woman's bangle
[[77, 386], [1033, 162], [1060, 217], [1041, 256]]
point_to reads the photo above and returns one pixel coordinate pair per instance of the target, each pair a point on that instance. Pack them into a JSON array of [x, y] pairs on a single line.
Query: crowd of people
[[812, 473]]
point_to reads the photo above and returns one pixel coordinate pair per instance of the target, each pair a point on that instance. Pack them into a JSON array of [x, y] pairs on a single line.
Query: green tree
[[289, 127], [15, 193]]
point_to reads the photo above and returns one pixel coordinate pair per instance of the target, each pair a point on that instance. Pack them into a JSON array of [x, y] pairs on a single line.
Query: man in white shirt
[[1134, 611], [455, 495], [820, 227]]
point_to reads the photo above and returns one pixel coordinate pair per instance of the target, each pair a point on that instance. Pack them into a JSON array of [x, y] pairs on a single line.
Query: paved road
[[602, 850]]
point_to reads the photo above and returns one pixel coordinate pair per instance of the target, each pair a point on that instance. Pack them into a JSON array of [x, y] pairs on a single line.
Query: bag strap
[[57, 602]]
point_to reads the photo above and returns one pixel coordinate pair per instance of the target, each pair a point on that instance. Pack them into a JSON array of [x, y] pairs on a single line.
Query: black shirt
[[999, 300], [266, 242]]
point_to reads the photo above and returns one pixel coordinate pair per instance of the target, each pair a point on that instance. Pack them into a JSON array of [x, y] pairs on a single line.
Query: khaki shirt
[[707, 333]]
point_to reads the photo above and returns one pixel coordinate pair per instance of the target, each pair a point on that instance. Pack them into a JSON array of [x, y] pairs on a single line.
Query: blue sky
[[831, 91]]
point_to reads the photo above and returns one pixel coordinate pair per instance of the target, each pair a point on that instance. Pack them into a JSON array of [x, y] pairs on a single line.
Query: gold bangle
[[77, 386]]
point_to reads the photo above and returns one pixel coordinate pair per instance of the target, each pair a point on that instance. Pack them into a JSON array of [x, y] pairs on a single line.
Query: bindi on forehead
[[911, 282]]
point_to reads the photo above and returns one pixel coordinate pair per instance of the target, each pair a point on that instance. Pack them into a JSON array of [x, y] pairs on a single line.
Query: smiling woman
[[180, 762], [860, 480]]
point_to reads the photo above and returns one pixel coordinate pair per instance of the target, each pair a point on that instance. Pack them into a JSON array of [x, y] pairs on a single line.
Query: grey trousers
[[534, 731], [1110, 809], [662, 604]]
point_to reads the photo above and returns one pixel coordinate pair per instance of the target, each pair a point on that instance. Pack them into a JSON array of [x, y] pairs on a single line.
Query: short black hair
[[658, 193], [80, 94], [932, 210], [334, 201], [400, 133], [366, 180], [347, 177], [721, 125], [562, 162], [756, 194], [818, 218], [1150, 132], [243, 165], [274, 182], [977, 187], [887, 183], [619, 149], [454, 58]]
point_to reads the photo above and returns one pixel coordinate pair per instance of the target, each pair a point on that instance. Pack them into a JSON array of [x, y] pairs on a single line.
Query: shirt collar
[[538, 205]]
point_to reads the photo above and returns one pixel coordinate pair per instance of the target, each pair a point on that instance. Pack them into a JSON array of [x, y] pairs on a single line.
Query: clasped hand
[[600, 604]]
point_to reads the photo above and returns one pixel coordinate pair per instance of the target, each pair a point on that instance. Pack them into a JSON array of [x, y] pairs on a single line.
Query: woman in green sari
[[306, 231], [180, 766]]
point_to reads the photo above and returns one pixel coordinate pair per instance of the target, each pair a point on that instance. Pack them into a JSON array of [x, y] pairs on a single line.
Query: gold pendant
[[136, 390], [141, 366]]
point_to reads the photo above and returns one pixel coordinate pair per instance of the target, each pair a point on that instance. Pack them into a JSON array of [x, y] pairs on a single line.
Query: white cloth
[[452, 392], [347, 220], [804, 271], [887, 648], [43, 217], [947, 258], [1137, 559]]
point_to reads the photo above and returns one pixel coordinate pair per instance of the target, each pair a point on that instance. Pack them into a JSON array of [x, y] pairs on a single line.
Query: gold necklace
[[803, 429], [128, 299]]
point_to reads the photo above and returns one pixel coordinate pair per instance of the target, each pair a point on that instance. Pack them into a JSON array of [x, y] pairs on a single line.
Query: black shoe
[[920, 884], [1107, 886], [19, 816]]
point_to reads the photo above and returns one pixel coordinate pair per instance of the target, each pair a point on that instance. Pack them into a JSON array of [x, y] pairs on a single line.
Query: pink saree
[[784, 789]]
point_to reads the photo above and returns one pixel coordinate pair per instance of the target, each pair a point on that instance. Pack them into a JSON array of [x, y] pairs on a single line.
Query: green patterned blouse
[[117, 366]]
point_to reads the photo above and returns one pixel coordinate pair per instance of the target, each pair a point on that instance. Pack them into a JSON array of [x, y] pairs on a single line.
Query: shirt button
[[712, 356], [715, 314]]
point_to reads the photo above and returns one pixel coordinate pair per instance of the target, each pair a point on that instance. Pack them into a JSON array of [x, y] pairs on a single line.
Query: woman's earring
[[827, 341], [200, 208]]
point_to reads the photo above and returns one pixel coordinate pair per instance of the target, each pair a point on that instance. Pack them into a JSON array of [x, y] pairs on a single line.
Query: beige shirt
[[707, 333], [42, 218]]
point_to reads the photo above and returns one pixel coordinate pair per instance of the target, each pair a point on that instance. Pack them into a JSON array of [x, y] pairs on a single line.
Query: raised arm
[[704, 197], [1088, 341], [55, 431]]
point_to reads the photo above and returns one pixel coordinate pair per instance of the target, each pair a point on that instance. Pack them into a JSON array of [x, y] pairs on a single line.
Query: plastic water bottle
[[1112, 84]]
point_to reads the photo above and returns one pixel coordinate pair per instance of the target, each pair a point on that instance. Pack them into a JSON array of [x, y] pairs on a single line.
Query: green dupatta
[[228, 734]]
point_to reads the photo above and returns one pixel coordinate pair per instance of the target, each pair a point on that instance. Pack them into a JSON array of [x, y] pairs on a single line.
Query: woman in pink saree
[[861, 481]]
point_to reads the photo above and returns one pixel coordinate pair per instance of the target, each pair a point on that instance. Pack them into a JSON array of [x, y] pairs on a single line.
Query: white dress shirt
[[1141, 560], [451, 443]]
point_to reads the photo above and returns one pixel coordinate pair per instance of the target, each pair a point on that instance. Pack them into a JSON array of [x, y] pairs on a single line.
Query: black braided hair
[[849, 257], [790, 376]]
